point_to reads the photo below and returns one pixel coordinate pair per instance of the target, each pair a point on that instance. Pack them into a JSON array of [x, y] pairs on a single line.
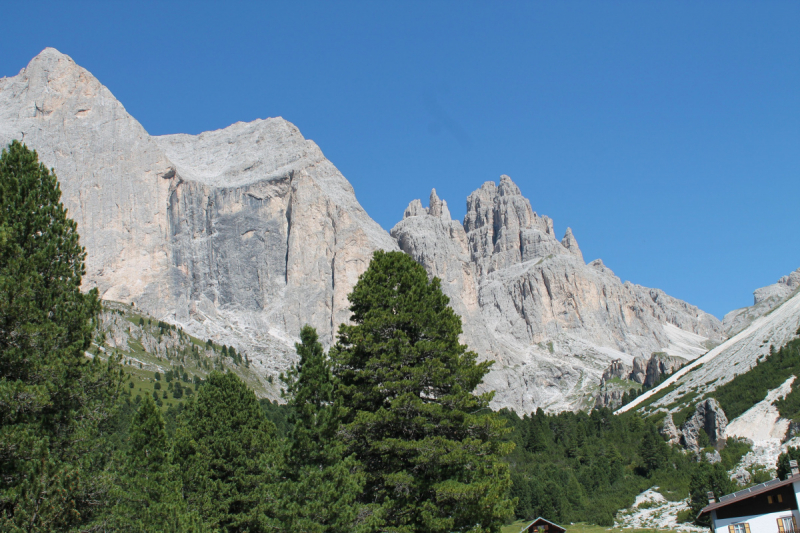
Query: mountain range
[[243, 235]]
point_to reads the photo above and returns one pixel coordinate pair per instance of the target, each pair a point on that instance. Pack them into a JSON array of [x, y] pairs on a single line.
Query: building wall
[[764, 523], [759, 523]]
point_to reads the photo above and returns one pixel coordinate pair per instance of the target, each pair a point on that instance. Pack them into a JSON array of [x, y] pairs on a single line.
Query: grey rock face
[[245, 234], [659, 365], [639, 370], [765, 299], [669, 431], [242, 234], [617, 369], [608, 398], [708, 416], [551, 322]]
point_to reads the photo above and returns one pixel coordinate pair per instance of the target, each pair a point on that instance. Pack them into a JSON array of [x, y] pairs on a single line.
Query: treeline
[[384, 432], [587, 466]]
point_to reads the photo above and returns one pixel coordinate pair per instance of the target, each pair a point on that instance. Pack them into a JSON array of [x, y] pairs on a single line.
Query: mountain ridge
[[245, 233]]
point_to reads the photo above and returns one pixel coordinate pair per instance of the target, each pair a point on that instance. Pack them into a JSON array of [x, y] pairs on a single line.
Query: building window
[[785, 524], [740, 528], [780, 498], [769, 500]]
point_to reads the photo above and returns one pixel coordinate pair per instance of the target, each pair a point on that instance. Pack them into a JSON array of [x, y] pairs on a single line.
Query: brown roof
[[737, 497]]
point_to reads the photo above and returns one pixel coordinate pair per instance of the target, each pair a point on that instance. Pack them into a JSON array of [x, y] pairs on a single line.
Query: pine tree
[[147, 494], [431, 449], [53, 400], [708, 478], [227, 453], [653, 451], [782, 466], [322, 485]]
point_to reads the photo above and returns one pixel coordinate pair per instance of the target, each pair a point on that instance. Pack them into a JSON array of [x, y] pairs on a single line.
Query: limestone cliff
[[242, 234], [529, 301]]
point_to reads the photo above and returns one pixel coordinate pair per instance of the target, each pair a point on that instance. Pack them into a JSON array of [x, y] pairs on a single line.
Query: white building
[[771, 507]]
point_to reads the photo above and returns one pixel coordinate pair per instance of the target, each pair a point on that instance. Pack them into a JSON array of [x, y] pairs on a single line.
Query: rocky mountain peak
[[503, 230], [438, 208], [530, 302], [571, 244]]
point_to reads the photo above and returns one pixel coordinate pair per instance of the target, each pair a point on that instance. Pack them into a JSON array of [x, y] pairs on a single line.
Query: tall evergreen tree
[[147, 496], [323, 486], [653, 451], [431, 448], [54, 401], [230, 461], [708, 478]]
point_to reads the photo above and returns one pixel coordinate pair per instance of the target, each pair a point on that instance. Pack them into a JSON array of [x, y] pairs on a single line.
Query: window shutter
[[730, 529], [746, 527], [794, 522], [780, 525]]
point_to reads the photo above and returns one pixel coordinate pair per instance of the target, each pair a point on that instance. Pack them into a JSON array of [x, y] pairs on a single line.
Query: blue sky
[[666, 134]]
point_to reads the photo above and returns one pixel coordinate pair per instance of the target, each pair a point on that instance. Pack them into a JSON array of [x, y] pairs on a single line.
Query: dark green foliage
[[323, 485], [783, 461], [279, 414], [147, 492], [430, 448], [653, 451], [708, 478], [733, 452], [228, 457], [54, 402], [584, 467]]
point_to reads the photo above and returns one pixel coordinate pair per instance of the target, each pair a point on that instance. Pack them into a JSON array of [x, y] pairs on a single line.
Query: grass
[[188, 354], [579, 528]]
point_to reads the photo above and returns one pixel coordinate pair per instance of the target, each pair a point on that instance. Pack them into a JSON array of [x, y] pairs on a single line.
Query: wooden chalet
[[770, 507], [540, 525]]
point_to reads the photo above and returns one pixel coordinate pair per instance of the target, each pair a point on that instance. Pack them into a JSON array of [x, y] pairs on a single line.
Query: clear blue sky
[[666, 134]]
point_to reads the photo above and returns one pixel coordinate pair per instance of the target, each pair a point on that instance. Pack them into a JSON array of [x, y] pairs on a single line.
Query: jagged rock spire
[[571, 244]]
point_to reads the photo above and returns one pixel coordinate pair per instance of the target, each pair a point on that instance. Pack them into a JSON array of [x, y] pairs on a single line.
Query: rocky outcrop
[[551, 322], [764, 300], [646, 372], [669, 431], [609, 398], [639, 370], [241, 235], [617, 369], [709, 417], [659, 366]]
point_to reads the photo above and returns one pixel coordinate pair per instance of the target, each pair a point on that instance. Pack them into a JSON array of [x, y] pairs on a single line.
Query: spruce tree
[[707, 477], [147, 495], [229, 458], [54, 401], [430, 447], [322, 487]]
